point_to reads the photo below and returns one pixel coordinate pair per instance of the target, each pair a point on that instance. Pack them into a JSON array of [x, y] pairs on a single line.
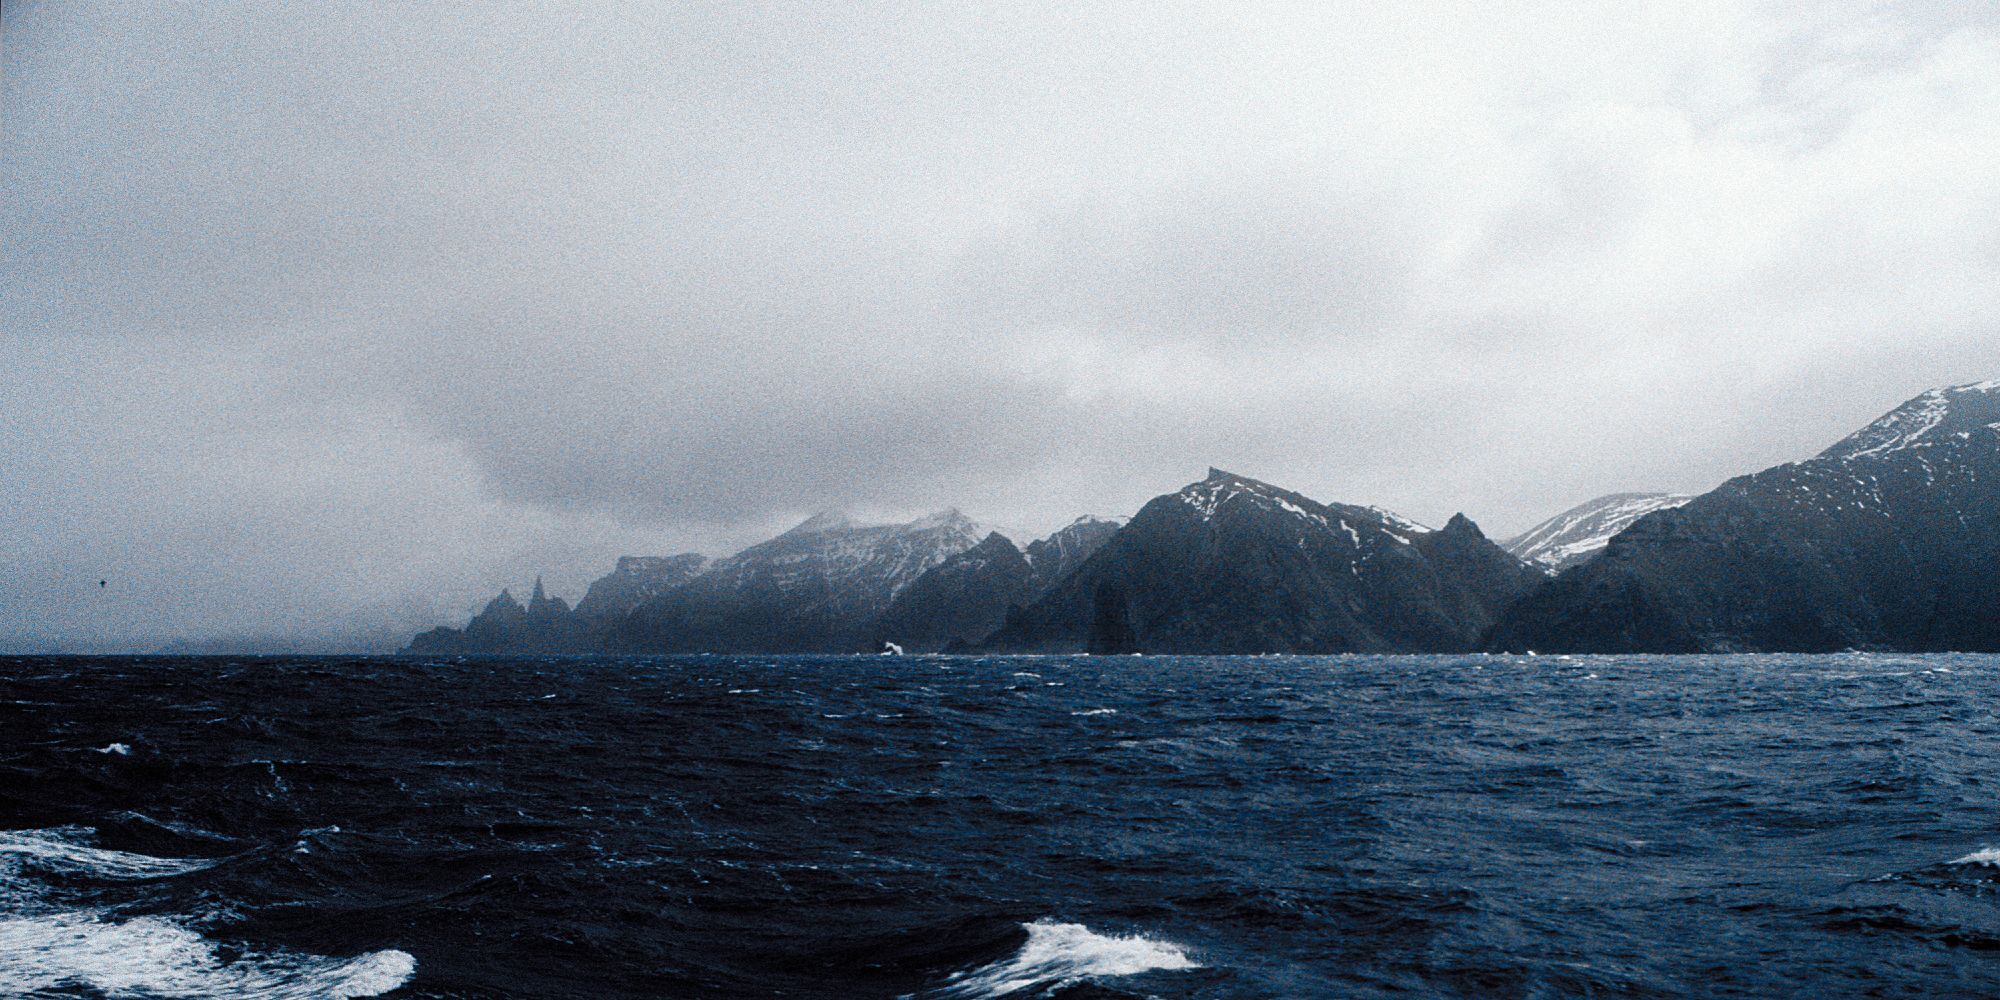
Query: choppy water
[[982, 828]]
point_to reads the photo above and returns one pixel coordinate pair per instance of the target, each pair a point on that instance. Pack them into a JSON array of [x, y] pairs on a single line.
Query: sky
[[327, 321]]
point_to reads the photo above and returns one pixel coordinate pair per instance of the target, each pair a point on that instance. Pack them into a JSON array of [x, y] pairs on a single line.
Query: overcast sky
[[333, 319]]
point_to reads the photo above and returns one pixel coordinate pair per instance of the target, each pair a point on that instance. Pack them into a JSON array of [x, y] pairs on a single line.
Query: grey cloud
[[335, 321]]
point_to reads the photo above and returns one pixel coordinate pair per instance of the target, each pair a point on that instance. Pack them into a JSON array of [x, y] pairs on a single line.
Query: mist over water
[[1010, 827]]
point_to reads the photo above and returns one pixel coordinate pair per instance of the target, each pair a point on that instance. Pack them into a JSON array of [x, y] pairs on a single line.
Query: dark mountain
[[1887, 540], [1059, 555], [819, 587], [1233, 565], [960, 600], [545, 625], [963, 599], [548, 624], [636, 580], [1582, 531]]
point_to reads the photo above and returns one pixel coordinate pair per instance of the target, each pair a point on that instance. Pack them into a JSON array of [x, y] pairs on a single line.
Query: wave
[[46, 947], [1096, 711], [1988, 856], [67, 850], [158, 957], [1059, 955]]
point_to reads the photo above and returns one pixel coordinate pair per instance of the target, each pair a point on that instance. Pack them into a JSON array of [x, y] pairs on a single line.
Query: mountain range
[[1889, 539], [1233, 565], [1886, 540]]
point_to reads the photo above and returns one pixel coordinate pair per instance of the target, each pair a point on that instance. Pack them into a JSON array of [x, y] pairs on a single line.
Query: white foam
[[67, 849], [46, 948], [158, 957], [1060, 955], [120, 749], [1989, 856], [1097, 711]]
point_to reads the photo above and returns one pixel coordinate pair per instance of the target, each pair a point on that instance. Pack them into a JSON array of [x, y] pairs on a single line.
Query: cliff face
[[960, 600], [1233, 565], [1886, 540], [963, 599], [1060, 554]]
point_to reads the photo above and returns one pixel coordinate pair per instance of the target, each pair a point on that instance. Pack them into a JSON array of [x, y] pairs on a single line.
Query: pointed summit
[[503, 603], [542, 607], [994, 541]]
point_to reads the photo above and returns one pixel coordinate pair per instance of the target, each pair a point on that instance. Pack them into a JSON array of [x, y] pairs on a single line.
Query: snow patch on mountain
[[1580, 532], [1924, 421], [1223, 489], [1399, 523]]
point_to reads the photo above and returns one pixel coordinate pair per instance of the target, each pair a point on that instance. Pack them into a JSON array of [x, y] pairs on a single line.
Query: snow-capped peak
[[1221, 487], [1224, 488], [1924, 421]]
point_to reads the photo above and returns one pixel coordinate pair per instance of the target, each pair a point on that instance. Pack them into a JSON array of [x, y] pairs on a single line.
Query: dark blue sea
[[1080, 827]]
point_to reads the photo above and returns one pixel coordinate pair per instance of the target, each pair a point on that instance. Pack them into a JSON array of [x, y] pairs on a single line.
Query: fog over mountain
[[321, 324]]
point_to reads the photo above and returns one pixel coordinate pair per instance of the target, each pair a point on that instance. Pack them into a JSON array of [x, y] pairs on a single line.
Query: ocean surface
[[931, 827]]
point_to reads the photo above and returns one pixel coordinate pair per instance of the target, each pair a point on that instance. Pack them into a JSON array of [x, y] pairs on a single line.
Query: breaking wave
[[159, 957], [1059, 955], [67, 850], [46, 947]]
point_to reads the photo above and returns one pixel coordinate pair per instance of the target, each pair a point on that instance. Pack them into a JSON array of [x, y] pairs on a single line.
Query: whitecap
[[68, 850], [1988, 856], [305, 836], [1058, 955], [121, 749], [1097, 711], [46, 948], [158, 957]]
